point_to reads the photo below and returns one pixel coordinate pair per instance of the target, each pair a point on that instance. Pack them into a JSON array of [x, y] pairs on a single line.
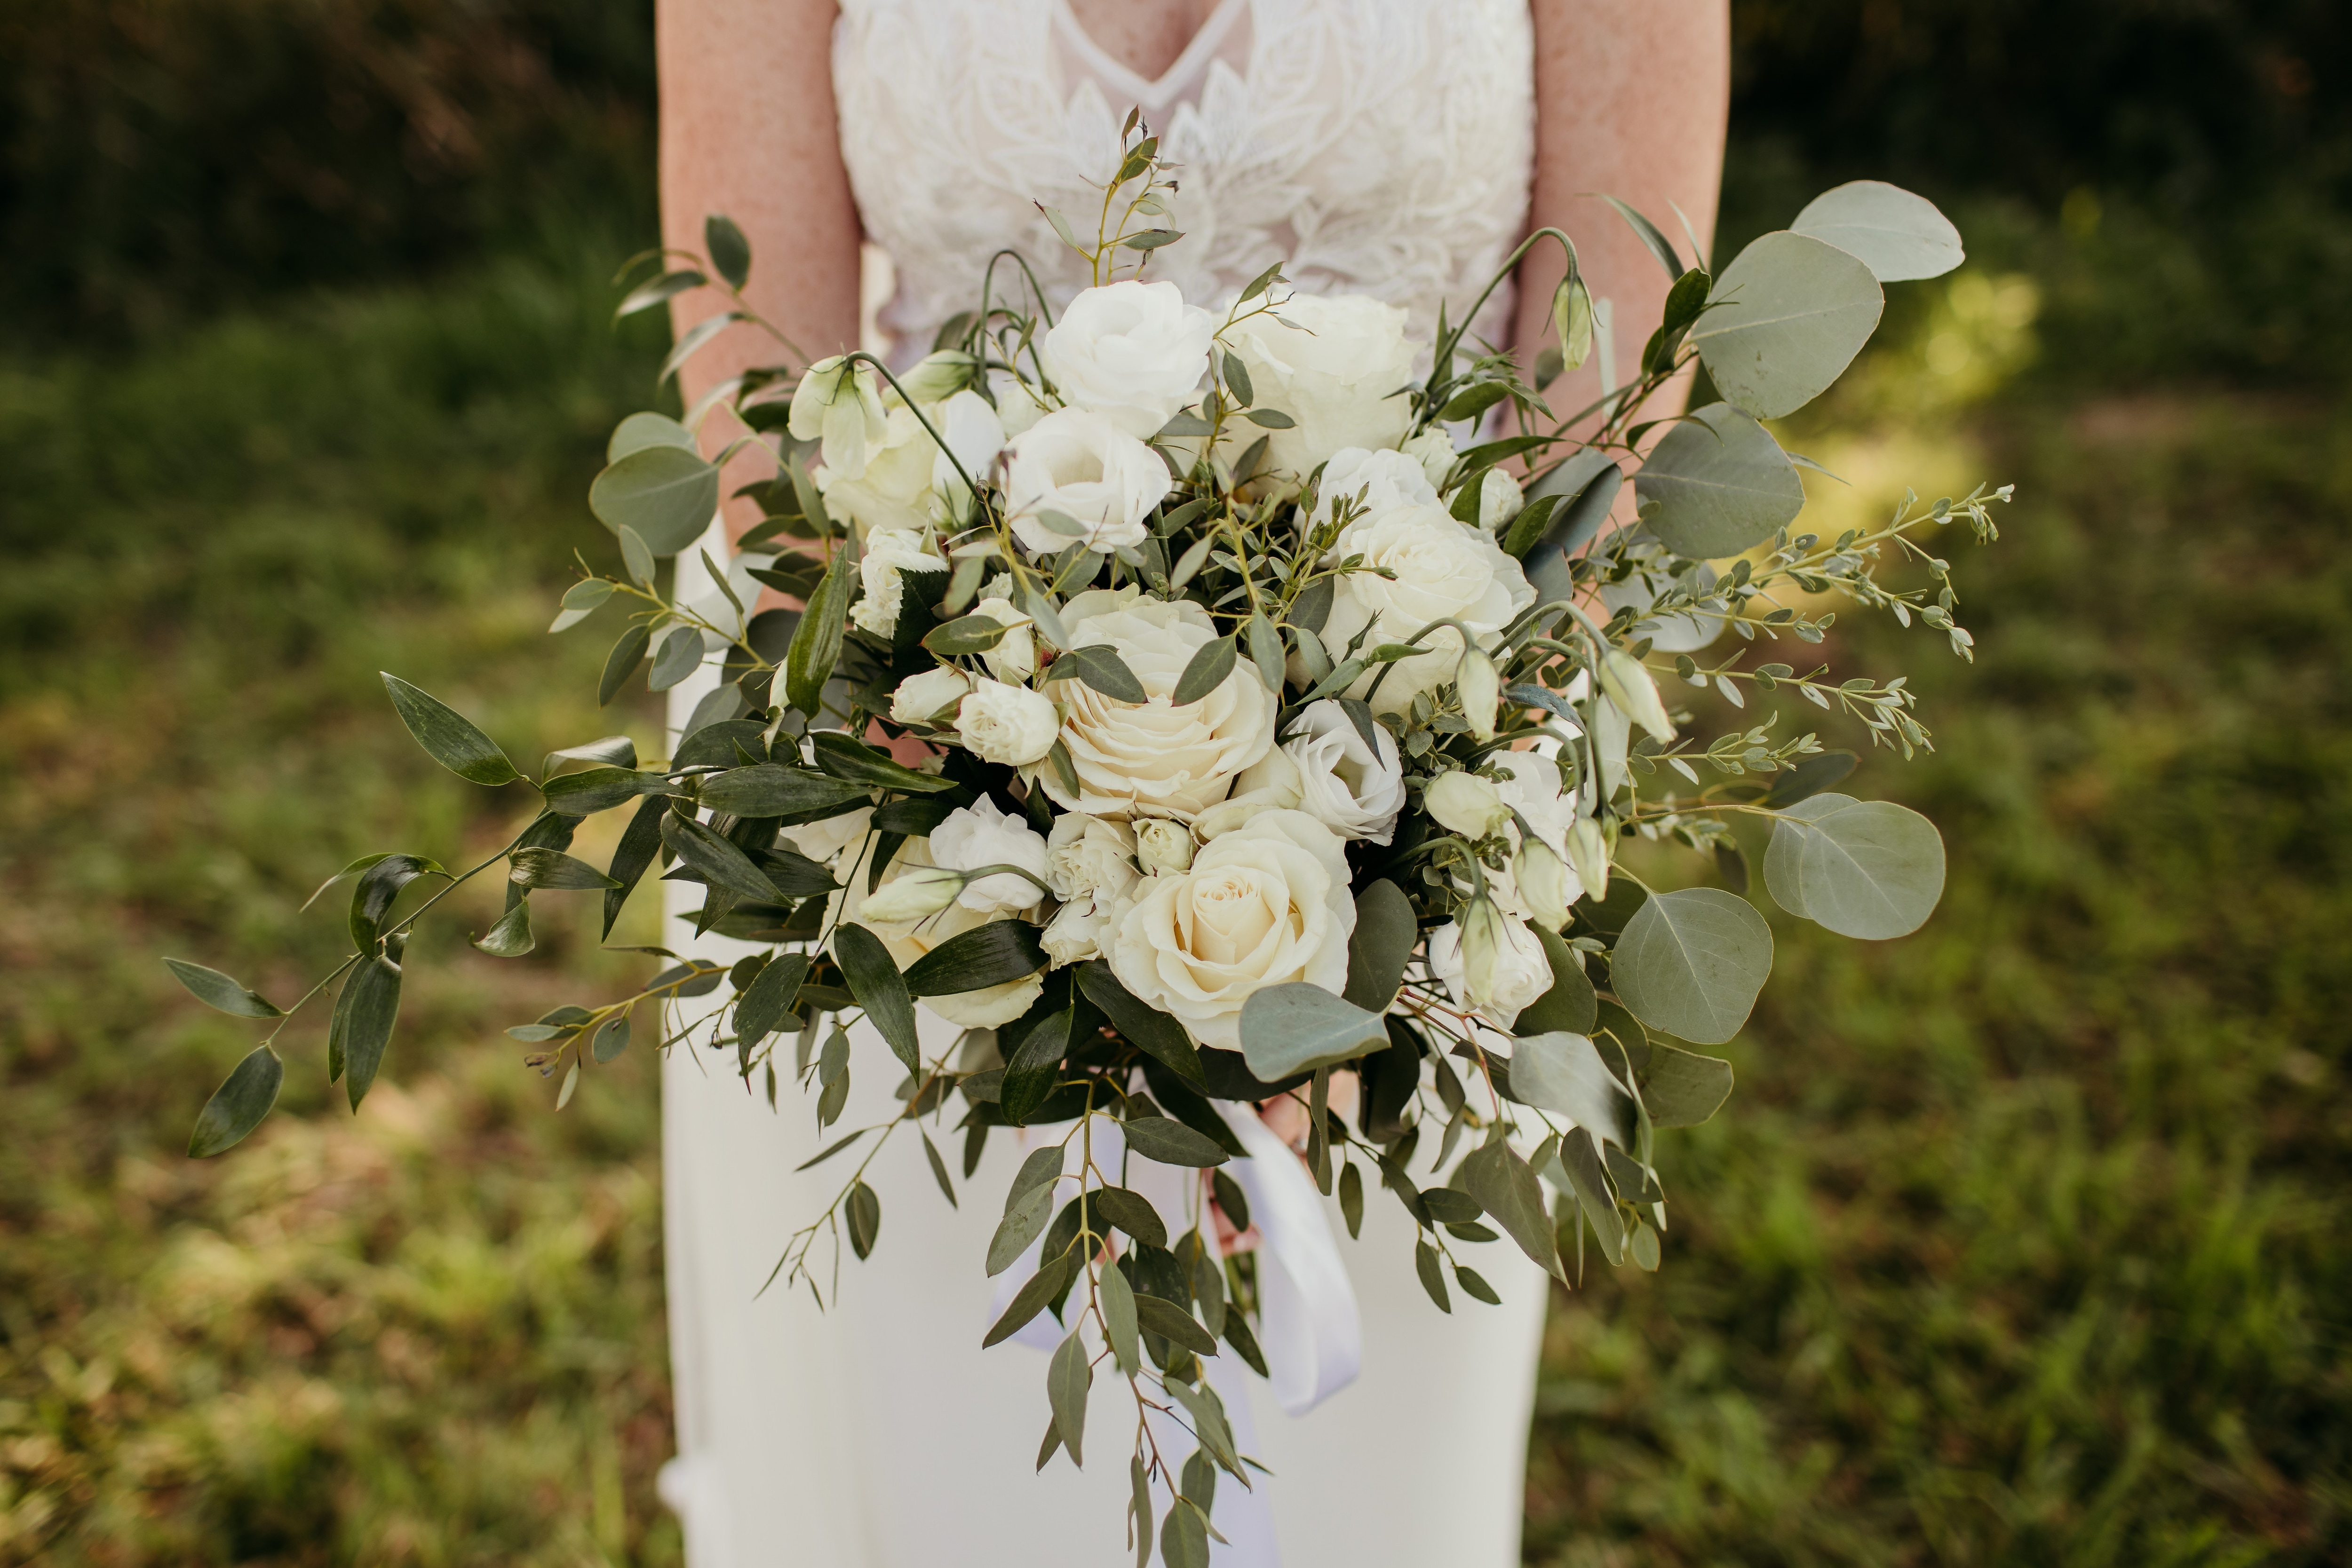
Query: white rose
[[823, 840], [974, 433], [1499, 499], [1371, 483], [981, 834], [1514, 971], [889, 556], [1433, 450], [1014, 657], [1088, 856], [1442, 570], [841, 404], [1133, 352], [1348, 787], [908, 941], [1154, 759], [1087, 468], [1010, 725], [1162, 845], [894, 489], [1337, 369], [1530, 786], [1265, 904], [923, 696], [1467, 804], [1075, 934]]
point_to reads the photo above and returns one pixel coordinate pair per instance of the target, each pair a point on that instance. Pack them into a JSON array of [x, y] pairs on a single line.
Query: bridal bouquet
[[1225, 702]]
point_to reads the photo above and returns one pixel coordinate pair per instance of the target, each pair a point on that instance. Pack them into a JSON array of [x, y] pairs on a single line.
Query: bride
[[1395, 148]]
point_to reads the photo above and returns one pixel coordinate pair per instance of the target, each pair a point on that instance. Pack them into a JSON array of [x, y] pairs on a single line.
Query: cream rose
[[1339, 369], [1133, 352], [1087, 468], [1265, 904], [923, 696], [906, 942], [1088, 856], [980, 834], [1371, 484], [889, 555], [1075, 934], [1011, 724], [1433, 450], [1442, 570], [1154, 759], [1350, 787], [1014, 657], [1162, 845]]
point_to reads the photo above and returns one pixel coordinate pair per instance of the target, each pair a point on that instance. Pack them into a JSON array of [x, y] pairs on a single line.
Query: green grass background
[[2020, 1241]]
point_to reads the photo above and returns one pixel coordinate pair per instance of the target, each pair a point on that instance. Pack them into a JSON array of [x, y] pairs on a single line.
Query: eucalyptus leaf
[[1867, 869], [1117, 1300], [763, 1008], [1563, 1072], [1068, 1377], [1690, 963], [1681, 1088], [1900, 236], [555, 870], [1299, 1027], [730, 252], [1378, 947], [1143, 1026], [621, 661], [1721, 484], [680, 655], [510, 937], [1205, 671], [1173, 1323], [1171, 1143], [667, 494], [1783, 322], [1505, 1188], [1047, 1283], [639, 431], [1570, 1004]]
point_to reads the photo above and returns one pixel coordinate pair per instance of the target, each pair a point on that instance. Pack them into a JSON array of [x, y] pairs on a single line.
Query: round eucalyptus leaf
[[1784, 321], [1690, 963], [1784, 857], [1563, 1072], [1896, 235], [640, 431], [1721, 484], [667, 494], [1299, 1026], [1871, 869]]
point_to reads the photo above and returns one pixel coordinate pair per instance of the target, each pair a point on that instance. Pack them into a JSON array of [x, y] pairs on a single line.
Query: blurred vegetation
[[2018, 1243]]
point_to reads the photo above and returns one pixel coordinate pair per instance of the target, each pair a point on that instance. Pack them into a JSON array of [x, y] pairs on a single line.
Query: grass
[[2018, 1242]]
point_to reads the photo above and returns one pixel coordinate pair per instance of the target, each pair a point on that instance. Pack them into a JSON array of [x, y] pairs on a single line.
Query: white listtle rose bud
[[1133, 352], [1629, 686], [1075, 934], [1351, 788], [1588, 852], [1266, 905], [1335, 364], [937, 376], [1490, 963], [1481, 690], [923, 696], [974, 434], [1009, 724], [1433, 450], [1499, 500], [917, 893], [894, 492], [1086, 469], [838, 401], [982, 835], [1090, 857], [1438, 569], [889, 556], [1543, 880], [907, 935], [1467, 804], [1162, 845], [1014, 657]]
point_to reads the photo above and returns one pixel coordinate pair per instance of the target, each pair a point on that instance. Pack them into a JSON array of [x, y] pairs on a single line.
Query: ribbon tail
[[1313, 1333]]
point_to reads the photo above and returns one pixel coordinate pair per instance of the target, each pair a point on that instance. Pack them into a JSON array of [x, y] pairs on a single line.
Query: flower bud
[[1499, 500], [1588, 852], [1467, 804], [938, 376], [838, 401], [1571, 318], [1629, 686], [1162, 845], [1542, 878], [916, 894], [1482, 945], [1481, 689]]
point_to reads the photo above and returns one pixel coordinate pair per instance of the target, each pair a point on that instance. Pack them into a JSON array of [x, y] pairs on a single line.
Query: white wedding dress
[[1374, 146]]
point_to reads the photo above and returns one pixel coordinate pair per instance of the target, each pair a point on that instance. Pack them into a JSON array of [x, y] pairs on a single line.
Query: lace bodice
[[1379, 147]]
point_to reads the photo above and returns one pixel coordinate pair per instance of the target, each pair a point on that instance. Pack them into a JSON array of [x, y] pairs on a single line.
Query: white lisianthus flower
[[1499, 500], [1630, 689], [890, 554], [1016, 402], [1133, 352], [1265, 904], [1336, 364], [1433, 450], [1442, 570], [1014, 657], [1082, 465], [916, 894], [1162, 845], [1090, 857], [1587, 852], [1154, 759], [1008, 725], [981, 834], [1543, 882], [974, 433], [1372, 484], [894, 489], [1495, 965], [923, 696], [839, 403], [1530, 786], [1352, 788], [907, 940], [821, 842], [1467, 804]]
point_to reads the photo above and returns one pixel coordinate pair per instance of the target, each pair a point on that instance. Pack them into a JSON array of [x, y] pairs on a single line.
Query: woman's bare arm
[[748, 128], [1630, 99]]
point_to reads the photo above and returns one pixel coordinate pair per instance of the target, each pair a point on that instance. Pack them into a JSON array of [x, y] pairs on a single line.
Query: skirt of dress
[[876, 1433]]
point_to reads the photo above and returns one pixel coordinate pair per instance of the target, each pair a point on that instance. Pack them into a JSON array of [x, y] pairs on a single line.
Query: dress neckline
[[1153, 93]]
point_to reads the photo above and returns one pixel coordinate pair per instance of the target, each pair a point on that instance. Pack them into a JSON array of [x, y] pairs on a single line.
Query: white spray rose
[[1154, 758], [1433, 450], [1372, 484], [1075, 934], [1090, 857], [823, 840], [1442, 570], [1497, 966], [839, 403], [980, 834], [1467, 804], [925, 695], [1014, 657], [1265, 904], [907, 940], [1335, 368], [894, 489], [1352, 788], [1162, 845], [1087, 468], [1133, 352], [889, 556], [1010, 725], [1499, 499]]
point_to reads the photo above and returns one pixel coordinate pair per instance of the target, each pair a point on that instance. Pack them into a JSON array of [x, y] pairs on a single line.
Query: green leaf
[[656, 291], [667, 494], [612, 1040], [1681, 1088], [640, 842], [817, 641], [773, 790], [622, 661], [594, 790], [216, 989], [864, 1216], [1570, 1004], [448, 737], [378, 887], [1563, 1072], [965, 635], [1101, 668], [1783, 322], [1117, 1297], [1173, 1323], [845, 757], [1474, 1284], [1034, 1068], [1045, 1284], [1299, 1027], [1171, 1143], [639, 431], [1068, 1377], [635, 559], [1581, 1170], [1140, 1505], [1352, 1200], [1690, 963], [1205, 671], [1867, 869], [1378, 949], [881, 990], [1807, 777], [555, 870], [1507, 1190], [1657, 243], [1721, 484], [730, 251], [680, 655], [240, 1103], [991, 954], [1896, 235], [1143, 1026], [510, 937], [1132, 1213], [1021, 1223], [1433, 1277], [361, 1026], [722, 865], [1265, 650], [762, 1009]]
